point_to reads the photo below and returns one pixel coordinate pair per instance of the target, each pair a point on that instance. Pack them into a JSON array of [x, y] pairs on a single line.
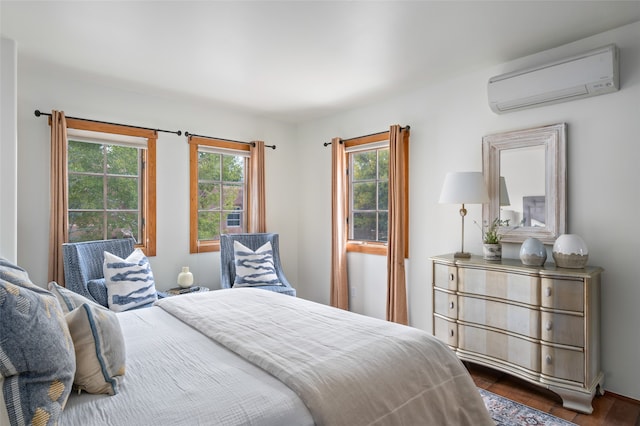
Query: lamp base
[[462, 255]]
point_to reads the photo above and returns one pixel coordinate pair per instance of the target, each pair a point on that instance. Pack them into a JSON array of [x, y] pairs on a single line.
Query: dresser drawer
[[445, 304], [563, 329], [563, 363], [445, 276], [503, 347], [508, 317], [447, 331], [566, 295], [503, 285]]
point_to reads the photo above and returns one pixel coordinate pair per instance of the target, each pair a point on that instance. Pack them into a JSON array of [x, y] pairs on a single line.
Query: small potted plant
[[491, 248]]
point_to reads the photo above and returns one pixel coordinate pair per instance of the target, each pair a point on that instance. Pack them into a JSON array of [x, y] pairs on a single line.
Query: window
[[218, 171], [111, 183], [367, 194]]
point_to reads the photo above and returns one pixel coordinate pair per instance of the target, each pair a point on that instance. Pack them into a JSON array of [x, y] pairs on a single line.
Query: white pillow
[[99, 347], [129, 281], [254, 268]]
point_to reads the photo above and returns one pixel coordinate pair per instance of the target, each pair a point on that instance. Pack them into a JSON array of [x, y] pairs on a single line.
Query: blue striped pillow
[[254, 268], [129, 281]]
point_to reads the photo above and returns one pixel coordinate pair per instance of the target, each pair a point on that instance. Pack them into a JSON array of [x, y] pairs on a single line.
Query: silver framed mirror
[[525, 173]]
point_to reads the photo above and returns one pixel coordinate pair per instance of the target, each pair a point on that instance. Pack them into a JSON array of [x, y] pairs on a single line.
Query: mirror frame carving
[[554, 139]]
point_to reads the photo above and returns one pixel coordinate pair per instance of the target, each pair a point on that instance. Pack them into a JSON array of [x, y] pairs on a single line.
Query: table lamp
[[463, 188]]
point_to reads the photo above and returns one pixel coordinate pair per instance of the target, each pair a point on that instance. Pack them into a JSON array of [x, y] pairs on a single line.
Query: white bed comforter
[[348, 369], [176, 376]]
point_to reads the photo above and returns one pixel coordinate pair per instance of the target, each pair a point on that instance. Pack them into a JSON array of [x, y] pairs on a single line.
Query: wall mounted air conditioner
[[589, 74]]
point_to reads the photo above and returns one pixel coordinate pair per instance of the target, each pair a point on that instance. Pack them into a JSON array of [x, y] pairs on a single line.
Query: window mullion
[[104, 191]]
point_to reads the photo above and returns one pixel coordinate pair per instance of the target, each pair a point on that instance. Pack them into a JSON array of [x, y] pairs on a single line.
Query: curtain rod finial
[[37, 113]]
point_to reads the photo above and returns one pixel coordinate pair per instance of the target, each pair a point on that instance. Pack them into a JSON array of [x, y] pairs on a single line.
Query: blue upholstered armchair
[[252, 241], [83, 266]]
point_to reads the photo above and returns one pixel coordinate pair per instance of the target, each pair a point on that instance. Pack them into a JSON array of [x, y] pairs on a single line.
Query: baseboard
[[622, 397]]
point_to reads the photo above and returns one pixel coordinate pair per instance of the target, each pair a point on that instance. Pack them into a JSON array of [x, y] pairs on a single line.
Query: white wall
[[447, 123], [45, 87], [8, 150]]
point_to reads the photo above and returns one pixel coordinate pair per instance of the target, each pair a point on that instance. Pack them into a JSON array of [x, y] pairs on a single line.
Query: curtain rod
[[177, 132], [187, 134], [371, 134]]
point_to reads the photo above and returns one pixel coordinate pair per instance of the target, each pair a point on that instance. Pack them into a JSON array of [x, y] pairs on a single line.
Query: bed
[[253, 357]]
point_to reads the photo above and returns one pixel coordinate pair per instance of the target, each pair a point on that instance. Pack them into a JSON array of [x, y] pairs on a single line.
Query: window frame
[[374, 247], [196, 245], [148, 175]]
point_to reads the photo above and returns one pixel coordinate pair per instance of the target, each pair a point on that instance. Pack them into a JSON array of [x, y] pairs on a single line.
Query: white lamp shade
[[464, 188]]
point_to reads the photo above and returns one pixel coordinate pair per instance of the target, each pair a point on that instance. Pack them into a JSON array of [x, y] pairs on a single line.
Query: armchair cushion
[[254, 268], [129, 281], [98, 290]]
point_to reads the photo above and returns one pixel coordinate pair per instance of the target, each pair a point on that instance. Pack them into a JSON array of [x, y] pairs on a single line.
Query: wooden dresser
[[541, 324]]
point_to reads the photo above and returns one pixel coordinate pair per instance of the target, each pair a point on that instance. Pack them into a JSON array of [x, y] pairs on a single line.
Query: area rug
[[506, 412]]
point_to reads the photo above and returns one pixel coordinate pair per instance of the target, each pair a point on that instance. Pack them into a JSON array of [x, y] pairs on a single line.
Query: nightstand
[[176, 291]]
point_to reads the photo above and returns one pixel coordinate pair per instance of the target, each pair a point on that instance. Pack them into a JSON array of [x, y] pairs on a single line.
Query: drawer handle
[[548, 359], [451, 333], [549, 325], [548, 291], [451, 305], [451, 277]]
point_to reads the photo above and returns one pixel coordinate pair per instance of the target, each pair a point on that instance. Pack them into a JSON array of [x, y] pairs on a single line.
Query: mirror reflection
[[522, 186]]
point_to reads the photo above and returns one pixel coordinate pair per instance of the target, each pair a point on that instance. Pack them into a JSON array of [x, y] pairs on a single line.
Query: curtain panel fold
[[58, 220], [256, 208], [339, 280], [398, 218]]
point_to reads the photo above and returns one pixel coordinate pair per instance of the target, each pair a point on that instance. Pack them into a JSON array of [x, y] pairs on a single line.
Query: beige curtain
[[398, 216], [256, 208], [58, 222], [339, 282]]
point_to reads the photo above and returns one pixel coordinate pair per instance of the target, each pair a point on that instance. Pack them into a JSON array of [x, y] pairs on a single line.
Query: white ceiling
[[294, 60]]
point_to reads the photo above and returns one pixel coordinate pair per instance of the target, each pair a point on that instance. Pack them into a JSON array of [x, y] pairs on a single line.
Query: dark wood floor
[[608, 409]]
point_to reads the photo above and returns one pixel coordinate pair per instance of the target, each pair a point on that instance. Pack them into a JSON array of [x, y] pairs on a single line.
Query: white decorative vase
[[533, 252], [185, 278], [570, 251], [492, 251]]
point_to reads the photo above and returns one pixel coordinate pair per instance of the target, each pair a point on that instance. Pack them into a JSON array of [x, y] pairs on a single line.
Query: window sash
[[215, 146], [104, 209], [376, 209]]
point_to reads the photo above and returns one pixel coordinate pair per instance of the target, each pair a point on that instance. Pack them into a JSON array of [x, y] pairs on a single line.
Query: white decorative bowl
[[570, 251], [533, 252]]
